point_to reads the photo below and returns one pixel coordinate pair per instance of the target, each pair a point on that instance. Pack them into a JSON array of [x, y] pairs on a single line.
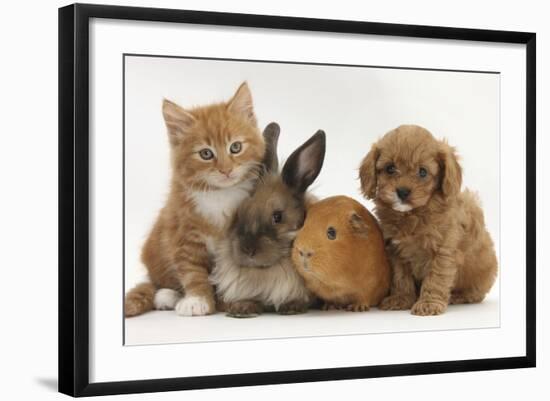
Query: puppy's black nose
[[403, 193]]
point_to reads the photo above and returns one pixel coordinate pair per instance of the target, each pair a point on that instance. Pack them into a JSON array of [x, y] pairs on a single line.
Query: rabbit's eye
[[236, 147], [331, 233], [206, 154], [277, 217]]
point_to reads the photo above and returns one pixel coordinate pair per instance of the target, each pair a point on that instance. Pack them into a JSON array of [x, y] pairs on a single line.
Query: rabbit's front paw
[[243, 309], [293, 308]]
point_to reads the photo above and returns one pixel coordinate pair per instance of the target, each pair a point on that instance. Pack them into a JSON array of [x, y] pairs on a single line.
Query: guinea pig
[[340, 254]]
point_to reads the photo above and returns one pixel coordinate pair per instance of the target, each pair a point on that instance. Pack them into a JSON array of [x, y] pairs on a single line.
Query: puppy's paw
[[428, 308], [293, 308], [396, 302], [357, 307], [195, 305], [166, 299], [243, 309]]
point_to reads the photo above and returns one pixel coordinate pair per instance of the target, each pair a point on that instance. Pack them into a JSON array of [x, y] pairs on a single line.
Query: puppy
[[439, 248]]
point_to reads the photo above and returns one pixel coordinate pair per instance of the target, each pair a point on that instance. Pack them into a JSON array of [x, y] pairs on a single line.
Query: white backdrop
[[355, 106], [29, 341], [112, 361]]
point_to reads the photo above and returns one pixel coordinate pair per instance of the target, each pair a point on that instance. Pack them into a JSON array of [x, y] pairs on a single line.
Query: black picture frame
[[74, 198]]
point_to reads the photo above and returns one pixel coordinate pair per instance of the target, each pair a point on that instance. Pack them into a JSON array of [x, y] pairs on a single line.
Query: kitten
[[216, 156]]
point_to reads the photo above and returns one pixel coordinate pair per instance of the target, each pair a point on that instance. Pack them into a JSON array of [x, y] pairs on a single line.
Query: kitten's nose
[[225, 171], [403, 192]]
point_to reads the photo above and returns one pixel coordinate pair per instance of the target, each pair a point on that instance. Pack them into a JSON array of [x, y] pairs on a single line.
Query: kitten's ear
[[271, 138], [241, 104], [304, 164], [178, 121]]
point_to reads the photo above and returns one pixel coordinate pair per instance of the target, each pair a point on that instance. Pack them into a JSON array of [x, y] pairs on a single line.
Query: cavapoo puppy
[[439, 248]]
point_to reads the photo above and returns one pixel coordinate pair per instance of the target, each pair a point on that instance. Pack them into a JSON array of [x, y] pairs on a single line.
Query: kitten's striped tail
[[139, 299]]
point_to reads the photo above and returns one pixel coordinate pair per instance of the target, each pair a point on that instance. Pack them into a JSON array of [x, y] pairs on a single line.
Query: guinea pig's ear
[[271, 138], [305, 163], [451, 172], [367, 172], [358, 225]]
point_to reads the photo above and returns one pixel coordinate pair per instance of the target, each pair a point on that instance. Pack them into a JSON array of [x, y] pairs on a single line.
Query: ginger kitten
[[216, 155]]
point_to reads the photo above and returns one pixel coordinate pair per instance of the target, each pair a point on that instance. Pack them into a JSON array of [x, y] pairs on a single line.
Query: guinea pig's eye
[[277, 217], [331, 233], [390, 169], [422, 172], [235, 147], [206, 154]]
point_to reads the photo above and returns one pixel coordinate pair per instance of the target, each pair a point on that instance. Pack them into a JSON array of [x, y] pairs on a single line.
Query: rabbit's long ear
[[304, 164], [271, 138]]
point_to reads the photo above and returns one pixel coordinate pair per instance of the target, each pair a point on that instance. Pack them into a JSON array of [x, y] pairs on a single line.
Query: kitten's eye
[[206, 154], [422, 172], [390, 169], [277, 217], [331, 233], [236, 147]]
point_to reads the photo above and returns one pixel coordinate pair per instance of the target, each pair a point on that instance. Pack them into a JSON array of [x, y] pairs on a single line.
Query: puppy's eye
[[206, 154], [331, 233], [277, 217], [236, 147], [390, 169], [422, 172]]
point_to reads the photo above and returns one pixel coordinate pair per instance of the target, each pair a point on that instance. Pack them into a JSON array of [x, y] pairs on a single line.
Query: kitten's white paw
[[166, 299], [192, 305]]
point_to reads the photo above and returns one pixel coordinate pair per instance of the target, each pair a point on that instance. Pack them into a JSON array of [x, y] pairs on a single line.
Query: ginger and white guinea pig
[[340, 254]]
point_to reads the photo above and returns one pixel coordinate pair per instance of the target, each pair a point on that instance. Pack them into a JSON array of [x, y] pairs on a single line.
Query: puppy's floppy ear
[[367, 173], [451, 172], [358, 224], [177, 119]]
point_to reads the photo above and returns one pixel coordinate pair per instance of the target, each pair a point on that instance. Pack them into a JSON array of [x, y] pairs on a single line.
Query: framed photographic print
[[277, 199]]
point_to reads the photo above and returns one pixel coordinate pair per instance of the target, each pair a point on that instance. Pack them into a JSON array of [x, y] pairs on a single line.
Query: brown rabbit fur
[[216, 154], [254, 270], [439, 248], [340, 254]]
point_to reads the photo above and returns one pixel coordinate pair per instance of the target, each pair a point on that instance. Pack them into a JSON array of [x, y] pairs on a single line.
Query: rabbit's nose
[[249, 250]]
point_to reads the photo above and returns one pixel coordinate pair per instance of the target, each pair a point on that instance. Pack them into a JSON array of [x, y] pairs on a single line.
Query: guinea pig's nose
[[305, 253]]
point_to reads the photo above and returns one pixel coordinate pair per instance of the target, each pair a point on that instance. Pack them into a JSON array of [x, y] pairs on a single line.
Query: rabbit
[[339, 251], [253, 269]]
